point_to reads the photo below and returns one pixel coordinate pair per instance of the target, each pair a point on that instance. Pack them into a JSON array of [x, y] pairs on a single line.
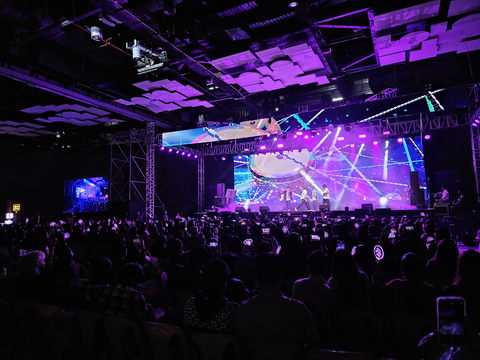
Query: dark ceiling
[[180, 61]]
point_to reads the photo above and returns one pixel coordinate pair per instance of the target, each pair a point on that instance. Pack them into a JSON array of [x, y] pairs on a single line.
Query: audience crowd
[[282, 286]]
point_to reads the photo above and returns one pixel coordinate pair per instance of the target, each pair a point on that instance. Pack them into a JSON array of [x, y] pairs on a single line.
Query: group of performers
[[287, 196]]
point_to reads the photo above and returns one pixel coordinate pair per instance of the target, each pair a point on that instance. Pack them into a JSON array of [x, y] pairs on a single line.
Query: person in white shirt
[[303, 197], [315, 200], [326, 196], [445, 195]]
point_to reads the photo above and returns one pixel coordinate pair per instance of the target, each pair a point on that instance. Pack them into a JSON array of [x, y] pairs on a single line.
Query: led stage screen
[[354, 174], [86, 195], [232, 131]]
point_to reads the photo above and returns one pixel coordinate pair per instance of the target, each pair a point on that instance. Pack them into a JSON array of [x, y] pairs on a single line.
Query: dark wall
[[217, 171], [448, 161], [36, 177]]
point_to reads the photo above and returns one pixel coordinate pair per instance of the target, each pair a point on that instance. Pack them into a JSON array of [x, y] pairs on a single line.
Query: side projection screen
[[86, 195]]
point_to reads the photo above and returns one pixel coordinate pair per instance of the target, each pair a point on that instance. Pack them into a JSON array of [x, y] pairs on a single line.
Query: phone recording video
[[340, 245], [409, 228], [315, 238], [393, 234], [266, 231], [451, 319], [213, 244]]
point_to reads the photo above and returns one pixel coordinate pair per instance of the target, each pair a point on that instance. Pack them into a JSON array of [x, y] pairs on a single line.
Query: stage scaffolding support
[[150, 173], [475, 135], [132, 169], [201, 182]]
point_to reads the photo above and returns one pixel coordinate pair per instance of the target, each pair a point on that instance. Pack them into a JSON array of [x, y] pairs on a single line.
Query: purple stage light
[[352, 145], [177, 151], [299, 133], [400, 140], [362, 136], [263, 147], [295, 136], [427, 137], [293, 4], [386, 133], [246, 149], [162, 148], [340, 138], [474, 124], [280, 145], [170, 150], [196, 156], [189, 155], [183, 153], [477, 121], [375, 142], [364, 199], [306, 137], [224, 158], [239, 157]]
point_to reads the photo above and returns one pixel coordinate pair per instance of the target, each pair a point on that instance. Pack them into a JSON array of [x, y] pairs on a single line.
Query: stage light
[[263, 147], [275, 138], [386, 133], [293, 4], [340, 138], [183, 153], [96, 33], [268, 135], [189, 155], [224, 158], [400, 140], [280, 145], [477, 121], [239, 157], [162, 148], [246, 149], [384, 122], [352, 145], [306, 137], [170, 150], [383, 201], [475, 124], [364, 199], [375, 142], [427, 137], [177, 151], [295, 136], [299, 133], [313, 133], [362, 136], [196, 156]]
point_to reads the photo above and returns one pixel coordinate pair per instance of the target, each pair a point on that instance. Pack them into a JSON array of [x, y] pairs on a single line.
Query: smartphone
[[266, 231], [340, 245], [213, 244], [23, 252], [234, 221], [211, 224], [296, 219], [410, 228], [392, 234], [136, 241], [315, 238], [304, 225], [352, 218], [451, 319]]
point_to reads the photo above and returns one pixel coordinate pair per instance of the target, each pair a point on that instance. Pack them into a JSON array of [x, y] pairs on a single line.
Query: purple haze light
[[477, 121], [162, 148]]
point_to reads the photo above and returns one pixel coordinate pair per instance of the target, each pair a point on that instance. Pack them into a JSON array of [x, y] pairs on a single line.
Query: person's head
[[32, 263], [131, 274], [343, 265], [316, 262], [324, 186], [468, 269], [231, 260], [263, 248], [442, 233], [447, 252], [412, 267], [215, 276], [100, 270], [444, 188], [269, 271]]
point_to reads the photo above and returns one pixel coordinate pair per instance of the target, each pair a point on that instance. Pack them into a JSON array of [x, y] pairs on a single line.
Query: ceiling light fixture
[[96, 33], [293, 4]]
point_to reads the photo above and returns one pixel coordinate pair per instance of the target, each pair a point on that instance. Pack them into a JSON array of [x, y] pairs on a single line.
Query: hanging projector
[[146, 59]]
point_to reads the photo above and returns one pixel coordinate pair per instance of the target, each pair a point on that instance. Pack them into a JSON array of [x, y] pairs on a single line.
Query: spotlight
[[299, 133], [239, 157], [364, 199], [475, 124], [477, 121], [162, 148], [340, 138], [375, 142], [280, 146], [293, 4], [196, 156], [347, 127], [295, 136], [257, 139], [386, 133], [189, 155], [224, 158], [268, 135], [400, 140], [183, 153], [362, 136], [177, 151], [352, 145], [427, 137], [306, 137], [96, 33], [170, 150], [263, 147]]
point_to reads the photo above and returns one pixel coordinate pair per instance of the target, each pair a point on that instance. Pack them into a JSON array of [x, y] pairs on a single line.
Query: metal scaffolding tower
[[150, 173], [132, 168], [201, 182]]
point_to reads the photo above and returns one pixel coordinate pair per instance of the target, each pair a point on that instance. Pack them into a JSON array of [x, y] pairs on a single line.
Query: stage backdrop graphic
[[355, 173]]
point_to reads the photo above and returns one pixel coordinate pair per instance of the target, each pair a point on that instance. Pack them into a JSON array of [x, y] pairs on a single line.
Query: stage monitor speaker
[[441, 210], [218, 201], [367, 206], [264, 209], [220, 189], [239, 209], [322, 207], [383, 211], [361, 212]]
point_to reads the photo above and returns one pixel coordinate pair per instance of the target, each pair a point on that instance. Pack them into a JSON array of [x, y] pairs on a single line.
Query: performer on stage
[[288, 198], [315, 199], [445, 196], [303, 197], [326, 196]]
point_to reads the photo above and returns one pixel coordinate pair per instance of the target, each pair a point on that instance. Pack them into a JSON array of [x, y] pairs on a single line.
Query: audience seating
[[93, 334], [217, 346], [168, 342], [321, 354]]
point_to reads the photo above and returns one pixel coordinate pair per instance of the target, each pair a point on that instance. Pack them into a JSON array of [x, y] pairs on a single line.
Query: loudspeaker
[[383, 212], [414, 180], [417, 197], [239, 209], [361, 212], [264, 209], [367, 206], [220, 189], [218, 201]]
